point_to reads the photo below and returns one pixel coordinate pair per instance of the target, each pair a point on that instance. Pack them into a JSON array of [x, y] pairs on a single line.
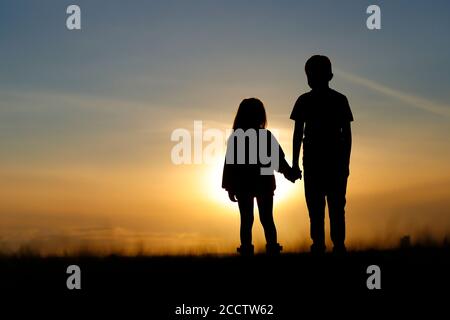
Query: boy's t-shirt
[[324, 114]]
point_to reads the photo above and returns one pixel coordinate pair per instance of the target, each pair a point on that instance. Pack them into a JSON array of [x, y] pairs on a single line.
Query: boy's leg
[[265, 206], [336, 207], [315, 200], [245, 202]]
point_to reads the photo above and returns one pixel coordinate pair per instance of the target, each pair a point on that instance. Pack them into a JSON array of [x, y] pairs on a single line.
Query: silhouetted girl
[[253, 154]]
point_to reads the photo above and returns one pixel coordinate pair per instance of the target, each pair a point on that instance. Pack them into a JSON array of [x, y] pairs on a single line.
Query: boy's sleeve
[[298, 112]]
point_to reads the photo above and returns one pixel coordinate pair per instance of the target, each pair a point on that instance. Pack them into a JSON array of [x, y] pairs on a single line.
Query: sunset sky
[[86, 118]]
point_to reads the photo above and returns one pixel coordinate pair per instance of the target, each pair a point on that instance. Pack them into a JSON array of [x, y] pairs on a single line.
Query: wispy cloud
[[406, 97]]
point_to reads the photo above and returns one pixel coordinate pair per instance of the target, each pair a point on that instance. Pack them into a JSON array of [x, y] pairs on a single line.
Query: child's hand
[[232, 196], [296, 172], [290, 175]]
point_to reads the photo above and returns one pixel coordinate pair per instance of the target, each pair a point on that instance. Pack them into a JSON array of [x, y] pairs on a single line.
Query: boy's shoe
[[273, 249], [246, 250]]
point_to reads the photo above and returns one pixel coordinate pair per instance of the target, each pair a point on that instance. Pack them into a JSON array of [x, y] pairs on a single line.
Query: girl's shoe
[[318, 249], [273, 249], [246, 250]]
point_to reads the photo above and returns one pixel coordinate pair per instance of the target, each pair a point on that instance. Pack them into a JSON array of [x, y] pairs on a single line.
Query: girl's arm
[[283, 165]]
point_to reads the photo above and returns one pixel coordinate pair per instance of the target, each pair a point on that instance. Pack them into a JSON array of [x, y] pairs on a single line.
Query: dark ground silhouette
[[296, 284]]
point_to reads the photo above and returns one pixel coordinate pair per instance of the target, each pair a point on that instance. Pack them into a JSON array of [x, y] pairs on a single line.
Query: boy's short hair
[[318, 65]]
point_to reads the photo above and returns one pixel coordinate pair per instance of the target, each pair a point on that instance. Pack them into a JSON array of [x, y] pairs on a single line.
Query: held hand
[[293, 174], [296, 172], [289, 175], [232, 196]]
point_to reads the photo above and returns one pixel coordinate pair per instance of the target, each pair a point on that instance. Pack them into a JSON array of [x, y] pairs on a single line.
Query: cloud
[[409, 99]]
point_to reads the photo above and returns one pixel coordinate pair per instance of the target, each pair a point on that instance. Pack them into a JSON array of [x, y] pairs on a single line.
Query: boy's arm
[[347, 136], [297, 144]]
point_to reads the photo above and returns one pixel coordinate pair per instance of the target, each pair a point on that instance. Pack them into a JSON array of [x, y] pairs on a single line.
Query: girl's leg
[[245, 203], [265, 206]]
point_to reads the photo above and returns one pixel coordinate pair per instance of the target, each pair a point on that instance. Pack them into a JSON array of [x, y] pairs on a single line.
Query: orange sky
[[152, 205]]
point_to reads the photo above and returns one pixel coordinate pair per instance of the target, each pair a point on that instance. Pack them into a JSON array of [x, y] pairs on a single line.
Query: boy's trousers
[[326, 185]]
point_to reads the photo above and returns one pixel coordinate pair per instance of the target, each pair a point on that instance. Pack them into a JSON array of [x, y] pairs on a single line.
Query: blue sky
[[182, 40], [179, 55]]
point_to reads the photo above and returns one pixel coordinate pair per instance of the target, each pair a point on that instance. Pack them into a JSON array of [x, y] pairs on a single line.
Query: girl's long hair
[[251, 114]]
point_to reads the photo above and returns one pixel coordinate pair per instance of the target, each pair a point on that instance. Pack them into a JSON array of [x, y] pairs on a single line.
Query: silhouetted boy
[[322, 122]]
